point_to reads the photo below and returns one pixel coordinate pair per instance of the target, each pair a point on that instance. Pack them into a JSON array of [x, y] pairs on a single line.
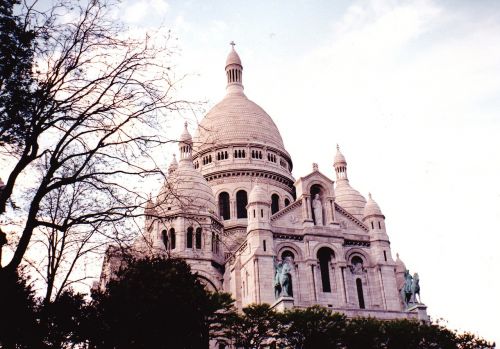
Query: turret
[[173, 165], [186, 145], [258, 209], [340, 165], [234, 71], [373, 217], [345, 195]]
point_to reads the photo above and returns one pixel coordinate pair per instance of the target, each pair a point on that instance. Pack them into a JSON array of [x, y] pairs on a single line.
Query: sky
[[410, 90]]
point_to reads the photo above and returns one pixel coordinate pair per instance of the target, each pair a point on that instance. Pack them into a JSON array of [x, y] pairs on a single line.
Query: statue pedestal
[[420, 310], [283, 303]]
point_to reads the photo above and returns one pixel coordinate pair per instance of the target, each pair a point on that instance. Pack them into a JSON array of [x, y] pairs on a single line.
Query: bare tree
[[90, 121]]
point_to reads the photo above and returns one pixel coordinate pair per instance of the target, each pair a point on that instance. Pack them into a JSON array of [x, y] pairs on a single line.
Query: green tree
[[62, 320], [18, 308], [255, 326], [155, 303], [16, 81], [314, 327]]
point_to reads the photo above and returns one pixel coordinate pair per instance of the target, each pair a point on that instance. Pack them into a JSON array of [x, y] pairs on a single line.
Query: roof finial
[[338, 147], [185, 124], [232, 43], [370, 196]]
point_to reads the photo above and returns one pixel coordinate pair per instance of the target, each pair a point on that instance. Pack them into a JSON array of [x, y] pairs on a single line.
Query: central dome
[[236, 119]]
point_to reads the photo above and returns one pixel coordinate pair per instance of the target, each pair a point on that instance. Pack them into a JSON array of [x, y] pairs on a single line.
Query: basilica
[[232, 209]]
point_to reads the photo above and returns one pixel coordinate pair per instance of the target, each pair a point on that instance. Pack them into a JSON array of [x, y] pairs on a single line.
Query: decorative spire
[[340, 165], [315, 167], [186, 144], [234, 71], [173, 165]]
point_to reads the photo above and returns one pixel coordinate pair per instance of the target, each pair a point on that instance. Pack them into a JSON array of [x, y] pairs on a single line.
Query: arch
[[224, 208], [189, 237], [287, 253], [361, 298], [324, 188], [241, 204], [172, 238], [356, 260], [205, 279], [317, 189], [164, 238], [198, 238], [275, 203], [282, 247], [325, 256], [287, 202], [358, 252]]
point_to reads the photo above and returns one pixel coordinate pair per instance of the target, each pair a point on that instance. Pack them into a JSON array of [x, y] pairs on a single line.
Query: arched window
[[213, 242], [172, 238], [198, 238], [287, 202], [325, 256], [288, 258], [164, 238], [217, 244], [357, 262], [317, 209], [241, 204], [189, 238], [286, 254], [361, 298], [224, 210], [275, 203]]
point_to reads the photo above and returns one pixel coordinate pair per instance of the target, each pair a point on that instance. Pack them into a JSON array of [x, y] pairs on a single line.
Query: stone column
[[328, 210], [313, 281]]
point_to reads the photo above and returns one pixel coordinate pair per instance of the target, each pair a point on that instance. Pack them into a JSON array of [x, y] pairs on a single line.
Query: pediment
[[290, 216], [348, 221]]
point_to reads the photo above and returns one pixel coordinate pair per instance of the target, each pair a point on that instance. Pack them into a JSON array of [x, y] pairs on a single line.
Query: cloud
[[136, 12]]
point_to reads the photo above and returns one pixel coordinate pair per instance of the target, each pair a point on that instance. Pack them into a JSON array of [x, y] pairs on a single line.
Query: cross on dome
[[232, 43]]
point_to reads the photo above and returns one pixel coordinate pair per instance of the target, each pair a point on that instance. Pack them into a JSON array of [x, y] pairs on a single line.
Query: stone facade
[[233, 210]]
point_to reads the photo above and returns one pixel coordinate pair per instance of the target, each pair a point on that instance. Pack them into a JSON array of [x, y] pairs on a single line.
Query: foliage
[[314, 327], [255, 326], [156, 303], [16, 81], [18, 306]]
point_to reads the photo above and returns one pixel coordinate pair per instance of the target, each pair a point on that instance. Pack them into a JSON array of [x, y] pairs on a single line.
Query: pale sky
[[410, 90]]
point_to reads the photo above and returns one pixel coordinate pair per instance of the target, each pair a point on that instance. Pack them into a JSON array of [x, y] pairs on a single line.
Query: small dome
[[400, 266], [372, 208], [186, 189], [339, 157], [258, 194], [149, 204], [173, 165], [233, 58], [186, 136], [350, 199]]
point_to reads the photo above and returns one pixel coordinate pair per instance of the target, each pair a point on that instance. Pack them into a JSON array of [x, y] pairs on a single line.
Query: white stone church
[[233, 210]]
